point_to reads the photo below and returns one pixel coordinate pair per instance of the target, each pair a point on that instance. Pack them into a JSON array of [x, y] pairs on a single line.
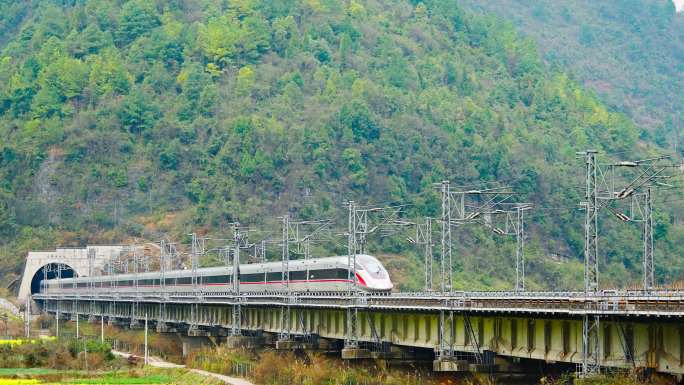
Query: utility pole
[[649, 276], [162, 264], [285, 281], [196, 250], [446, 271], [28, 317], [591, 357], [351, 247], [286, 253], [236, 327], [146, 354], [591, 268], [351, 340], [520, 249], [135, 318], [424, 238]]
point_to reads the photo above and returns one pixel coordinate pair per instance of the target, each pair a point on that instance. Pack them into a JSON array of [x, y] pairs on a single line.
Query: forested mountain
[[145, 119], [631, 52]]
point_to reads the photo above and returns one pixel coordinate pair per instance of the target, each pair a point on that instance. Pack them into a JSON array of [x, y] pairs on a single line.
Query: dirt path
[[159, 363]]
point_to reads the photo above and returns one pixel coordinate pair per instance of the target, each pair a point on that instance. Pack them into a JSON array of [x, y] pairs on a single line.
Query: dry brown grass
[[275, 368]]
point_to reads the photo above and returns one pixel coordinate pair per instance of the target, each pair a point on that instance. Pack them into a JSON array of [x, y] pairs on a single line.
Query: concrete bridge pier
[[190, 344], [247, 342], [136, 324], [308, 342], [313, 342], [356, 353], [486, 362], [195, 331], [164, 327], [450, 364]]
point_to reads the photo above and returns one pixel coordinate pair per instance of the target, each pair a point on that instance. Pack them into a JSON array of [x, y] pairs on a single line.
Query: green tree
[[108, 75], [60, 81], [7, 217], [138, 113], [137, 18]]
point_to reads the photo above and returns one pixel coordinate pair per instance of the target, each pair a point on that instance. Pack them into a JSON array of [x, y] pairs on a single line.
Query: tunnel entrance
[[50, 271]]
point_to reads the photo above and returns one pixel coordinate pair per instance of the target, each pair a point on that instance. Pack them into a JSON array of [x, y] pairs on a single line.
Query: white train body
[[330, 274]]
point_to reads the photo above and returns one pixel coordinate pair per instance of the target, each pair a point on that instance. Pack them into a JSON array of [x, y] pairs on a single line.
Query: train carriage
[[330, 274]]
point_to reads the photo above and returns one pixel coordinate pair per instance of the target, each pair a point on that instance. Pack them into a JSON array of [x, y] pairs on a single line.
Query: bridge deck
[[613, 303]]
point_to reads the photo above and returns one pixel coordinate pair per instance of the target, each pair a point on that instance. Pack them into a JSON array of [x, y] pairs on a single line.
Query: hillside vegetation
[[631, 52], [140, 119]]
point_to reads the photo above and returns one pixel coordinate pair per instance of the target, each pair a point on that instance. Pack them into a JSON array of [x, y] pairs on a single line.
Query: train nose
[[385, 284]]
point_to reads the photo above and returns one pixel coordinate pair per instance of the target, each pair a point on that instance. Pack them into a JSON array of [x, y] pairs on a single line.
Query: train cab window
[[371, 265]]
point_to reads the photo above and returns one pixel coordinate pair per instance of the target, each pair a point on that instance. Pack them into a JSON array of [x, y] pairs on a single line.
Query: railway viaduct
[[461, 331]]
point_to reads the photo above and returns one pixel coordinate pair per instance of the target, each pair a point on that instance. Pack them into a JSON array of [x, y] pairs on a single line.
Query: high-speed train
[[329, 274]]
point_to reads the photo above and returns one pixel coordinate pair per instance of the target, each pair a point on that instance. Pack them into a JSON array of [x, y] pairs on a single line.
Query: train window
[[274, 276], [185, 281], [216, 279], [329, 274], [252, 277], [297, 275], [170, 281]]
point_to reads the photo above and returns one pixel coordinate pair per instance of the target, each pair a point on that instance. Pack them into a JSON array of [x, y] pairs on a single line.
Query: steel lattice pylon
[[351, 340], [591, 270], [591, 354], [520, 250], [649, 277], [424, 238], [446, 263]]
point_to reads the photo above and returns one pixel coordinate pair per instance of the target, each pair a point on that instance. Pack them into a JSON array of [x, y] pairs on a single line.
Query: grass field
[[23, 376]]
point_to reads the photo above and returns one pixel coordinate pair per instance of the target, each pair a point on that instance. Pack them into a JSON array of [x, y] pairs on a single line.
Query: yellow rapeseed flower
[[18, 381]]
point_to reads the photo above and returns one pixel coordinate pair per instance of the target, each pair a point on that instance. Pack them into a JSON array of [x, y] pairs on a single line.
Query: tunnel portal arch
[[51, 271], [80, 261]]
